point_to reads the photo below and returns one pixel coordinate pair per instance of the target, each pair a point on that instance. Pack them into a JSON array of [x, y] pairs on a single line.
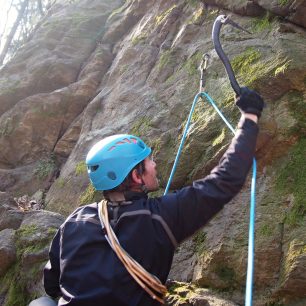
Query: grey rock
[[7, 249]]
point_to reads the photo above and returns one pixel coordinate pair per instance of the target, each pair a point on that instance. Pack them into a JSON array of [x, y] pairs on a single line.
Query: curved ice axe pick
[[220, 20]]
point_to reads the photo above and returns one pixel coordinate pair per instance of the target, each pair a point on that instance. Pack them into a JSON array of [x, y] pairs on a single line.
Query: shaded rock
[[67, 142], [32, 240], [7, 200], [34, 176], [248, 8], [37, 82], [7, 180], [10, 218], [41, 220], [292, 10], [122, 21], [183, 262], [7, 250], [38, 197]]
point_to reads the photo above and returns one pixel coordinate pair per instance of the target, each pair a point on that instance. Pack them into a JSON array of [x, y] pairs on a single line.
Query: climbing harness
[[149, 282], [220, 20]]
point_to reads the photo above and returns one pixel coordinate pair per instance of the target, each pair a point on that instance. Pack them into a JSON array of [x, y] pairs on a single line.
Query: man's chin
[[153, 189]]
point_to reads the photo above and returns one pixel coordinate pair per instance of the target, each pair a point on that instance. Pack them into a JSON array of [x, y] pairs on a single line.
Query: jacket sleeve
[[52, 268], [190, 208]]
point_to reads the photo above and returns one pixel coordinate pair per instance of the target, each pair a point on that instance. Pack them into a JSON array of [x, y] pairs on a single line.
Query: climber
[[119, 252]]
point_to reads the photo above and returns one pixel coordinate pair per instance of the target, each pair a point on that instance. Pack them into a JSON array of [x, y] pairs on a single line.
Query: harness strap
[[149, 282]]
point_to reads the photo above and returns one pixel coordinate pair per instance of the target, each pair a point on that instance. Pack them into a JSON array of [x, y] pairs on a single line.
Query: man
[[119, 252]]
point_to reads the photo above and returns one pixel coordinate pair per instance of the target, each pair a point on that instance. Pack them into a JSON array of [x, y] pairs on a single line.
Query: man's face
[[149, 176]]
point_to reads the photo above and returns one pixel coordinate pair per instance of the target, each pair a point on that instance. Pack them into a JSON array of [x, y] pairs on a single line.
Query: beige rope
[[149, 282]]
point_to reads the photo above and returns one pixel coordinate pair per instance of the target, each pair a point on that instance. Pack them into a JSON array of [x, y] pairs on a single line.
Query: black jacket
[[84, 270]]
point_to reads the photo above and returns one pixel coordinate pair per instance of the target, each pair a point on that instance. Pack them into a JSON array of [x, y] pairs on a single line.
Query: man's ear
[[136, 177]]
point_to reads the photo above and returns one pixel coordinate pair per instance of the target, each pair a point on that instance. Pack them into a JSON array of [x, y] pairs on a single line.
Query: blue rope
[[250, 268], [179, 151], [251, 247]]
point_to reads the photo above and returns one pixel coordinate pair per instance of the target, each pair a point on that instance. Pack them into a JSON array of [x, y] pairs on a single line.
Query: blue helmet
[[110, 160]]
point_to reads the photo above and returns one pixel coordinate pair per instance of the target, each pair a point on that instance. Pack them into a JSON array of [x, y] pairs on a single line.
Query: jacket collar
[[134, 195]]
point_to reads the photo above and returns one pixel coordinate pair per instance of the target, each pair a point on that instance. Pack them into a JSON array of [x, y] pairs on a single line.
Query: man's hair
[[127, 183]]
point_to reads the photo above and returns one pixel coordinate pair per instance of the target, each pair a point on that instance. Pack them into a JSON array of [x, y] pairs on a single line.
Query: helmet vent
[[111, 148], [123, 141], [93, 168], [111, 175], [141, 144]]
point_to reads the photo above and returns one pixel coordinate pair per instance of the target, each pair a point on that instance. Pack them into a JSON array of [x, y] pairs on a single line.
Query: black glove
[[250, 102]]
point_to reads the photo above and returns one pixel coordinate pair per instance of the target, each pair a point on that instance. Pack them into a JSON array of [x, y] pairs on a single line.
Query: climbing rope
[[149, 282], [220, 20]]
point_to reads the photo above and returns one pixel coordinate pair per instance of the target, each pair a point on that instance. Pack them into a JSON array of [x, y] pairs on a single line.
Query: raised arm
[[192, 207]]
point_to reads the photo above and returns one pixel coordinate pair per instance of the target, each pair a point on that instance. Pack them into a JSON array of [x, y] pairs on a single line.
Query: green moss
[[213, 13], [193, 3], [178, 293], [227, 274], [242, 63], [283, 2], [160, 18], [31, 249], [139, 39], [297, 109], [166, 59], [155, 144], [90, 195], [220, 139], [81, 168], [297, 248], [199, 240], [9, 88], [166, 156], [45, 167], [25, 245], [250, 68], [123, 69], [197, 16], [27, 230], [265, 230], [118, 10], [13, 285], [52, 231], [199, 112], [60, 182], [292, 180], [193, 63], [141, 126], [7, 127], [274, 303], [14, 288], [282, 68], [261, 24]]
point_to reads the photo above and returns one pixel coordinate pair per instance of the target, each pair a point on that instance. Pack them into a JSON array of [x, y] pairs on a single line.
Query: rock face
[[24, 251], [94, 68]]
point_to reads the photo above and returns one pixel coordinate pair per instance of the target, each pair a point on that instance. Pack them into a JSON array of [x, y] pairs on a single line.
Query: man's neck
[[116, 196]]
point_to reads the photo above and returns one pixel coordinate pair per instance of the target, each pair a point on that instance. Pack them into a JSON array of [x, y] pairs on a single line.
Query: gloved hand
[[250, 102]]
